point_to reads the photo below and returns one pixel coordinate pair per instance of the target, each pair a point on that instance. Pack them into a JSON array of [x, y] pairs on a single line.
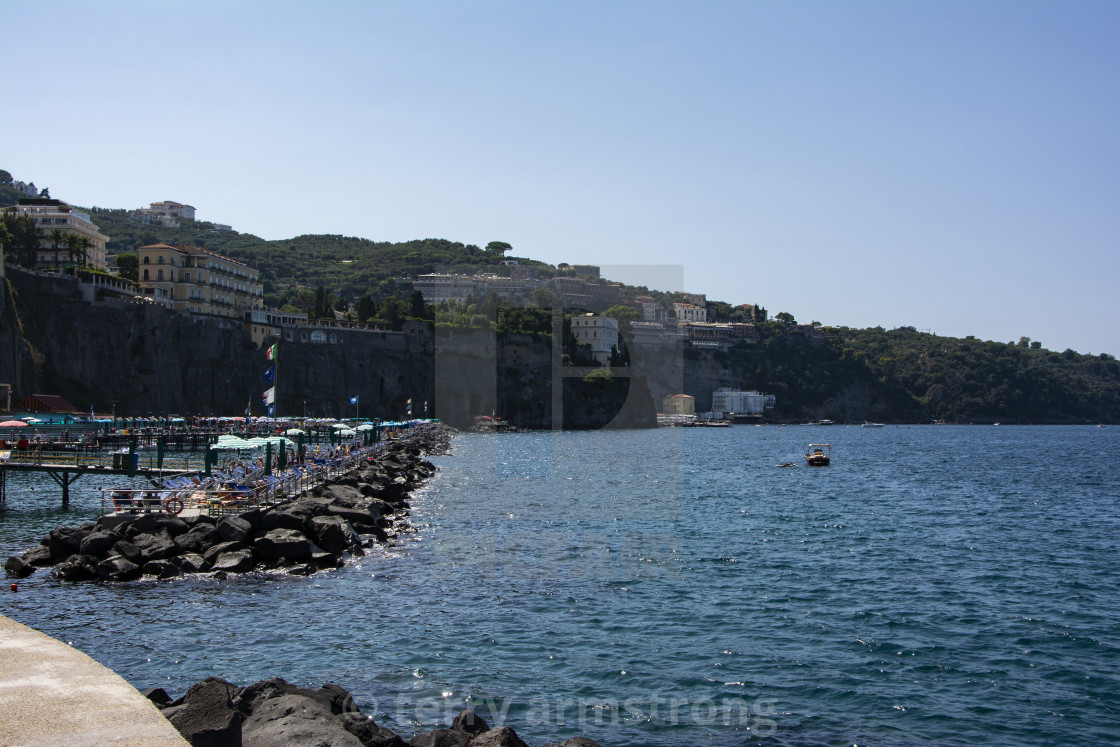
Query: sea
[[936, 585]]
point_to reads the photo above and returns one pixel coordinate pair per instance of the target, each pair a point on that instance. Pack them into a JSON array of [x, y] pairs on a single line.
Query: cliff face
[[138, 358]]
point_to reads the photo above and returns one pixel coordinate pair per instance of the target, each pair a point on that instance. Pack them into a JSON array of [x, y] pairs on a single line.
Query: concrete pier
[[52, 695]]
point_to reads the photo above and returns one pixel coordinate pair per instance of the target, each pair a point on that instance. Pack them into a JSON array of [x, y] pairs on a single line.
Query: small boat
[[872, 425], [817, 456]]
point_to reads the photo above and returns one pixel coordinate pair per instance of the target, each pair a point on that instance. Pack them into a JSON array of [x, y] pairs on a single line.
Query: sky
[[951, 165]]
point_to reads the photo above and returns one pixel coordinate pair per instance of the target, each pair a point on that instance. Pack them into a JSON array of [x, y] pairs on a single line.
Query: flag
[[271, 410], [425, 407], [270, 374], [270, 395], [272, 352], [248, 408], [353, 400], [408, 406]]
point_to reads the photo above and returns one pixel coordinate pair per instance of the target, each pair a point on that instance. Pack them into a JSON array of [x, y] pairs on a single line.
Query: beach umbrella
[[293, 432], [347, 433], [340, 426], [13, 424], [365, 427]]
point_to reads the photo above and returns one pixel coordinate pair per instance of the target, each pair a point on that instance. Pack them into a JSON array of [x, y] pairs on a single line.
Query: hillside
[[844, 374]]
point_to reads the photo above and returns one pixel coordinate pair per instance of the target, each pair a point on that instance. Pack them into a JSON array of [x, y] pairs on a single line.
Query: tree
[[544, 297], [416, 306], [5, 177], [367, 309], [498, 247], [25, 241], [321, 306], [785, 318], [128, 266], [56, 236], [46, 193]]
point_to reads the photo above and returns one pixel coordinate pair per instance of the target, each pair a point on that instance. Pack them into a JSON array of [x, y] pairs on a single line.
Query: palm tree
[[78, 248], [57, 236]]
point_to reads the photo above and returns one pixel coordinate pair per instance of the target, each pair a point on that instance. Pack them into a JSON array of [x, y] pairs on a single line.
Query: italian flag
[[272, 352]]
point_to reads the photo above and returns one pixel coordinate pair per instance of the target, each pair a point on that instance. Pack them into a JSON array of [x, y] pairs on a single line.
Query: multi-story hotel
[[50, 214], [189, 278], [600, 332]]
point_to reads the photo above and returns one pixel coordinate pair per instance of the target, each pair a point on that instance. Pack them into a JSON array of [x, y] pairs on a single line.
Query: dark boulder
[[17, 567], [362, 517], [326, 560], [65, 541], [191, 563], [284, 543], [469, 722], [162, 569], [333, 533], [117, 568], [157, 695], [155, 546], [234, 528], [198, 539], [212, 554], [503, 737], [295, 517], [236, 561], [295, 720], [575, 742], [39, 556], [76, 568], [206, 716], [154, 523], [440, 738], [130, 551], [99, 543]]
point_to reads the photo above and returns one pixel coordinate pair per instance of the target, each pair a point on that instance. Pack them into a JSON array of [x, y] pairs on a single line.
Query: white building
[[727, 401], [688, 312], [50, 214], [600, 332], [438, 288]]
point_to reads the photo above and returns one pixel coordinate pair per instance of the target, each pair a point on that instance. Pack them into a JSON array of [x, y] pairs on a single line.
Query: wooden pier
[[65, 471]]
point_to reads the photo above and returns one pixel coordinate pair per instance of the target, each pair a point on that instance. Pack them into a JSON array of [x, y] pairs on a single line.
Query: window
[[159, 275], [147, 260], [186, 277], [145, 272], [159, 260]]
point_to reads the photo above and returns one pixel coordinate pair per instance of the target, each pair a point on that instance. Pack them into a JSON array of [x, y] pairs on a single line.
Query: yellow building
[[189, 278], [49, 215], [679, 404]]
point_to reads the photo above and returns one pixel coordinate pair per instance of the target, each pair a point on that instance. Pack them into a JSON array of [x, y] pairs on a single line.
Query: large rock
[[17, 567], [237, 561], [66, 541], [76, 568], [130, 551], [440, 738], [212, 554], [284, 543], [198, 539], [295, 720], [39, 556], [333, 533], [117, 568], [362, 517], [469, 722], [156, 546], [234, 528], [162, 569], [575, 742], [503, 737], [192, 563], [205, 716], [154, 523], [99, 543], [295, 517]]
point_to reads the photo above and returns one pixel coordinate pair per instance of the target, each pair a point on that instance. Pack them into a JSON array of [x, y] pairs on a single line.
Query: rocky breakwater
[[314, 531], [216, 713]]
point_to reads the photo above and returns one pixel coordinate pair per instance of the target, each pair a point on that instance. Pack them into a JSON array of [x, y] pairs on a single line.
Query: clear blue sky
[[954, 166]]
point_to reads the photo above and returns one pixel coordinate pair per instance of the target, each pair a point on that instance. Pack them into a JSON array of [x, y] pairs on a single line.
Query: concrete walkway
[[52, 695]]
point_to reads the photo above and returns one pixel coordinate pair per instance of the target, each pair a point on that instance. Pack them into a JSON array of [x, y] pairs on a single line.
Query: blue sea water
[[937, 585]]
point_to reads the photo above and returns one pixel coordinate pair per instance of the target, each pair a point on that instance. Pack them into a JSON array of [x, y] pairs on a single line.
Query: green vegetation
[[903, 375]]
